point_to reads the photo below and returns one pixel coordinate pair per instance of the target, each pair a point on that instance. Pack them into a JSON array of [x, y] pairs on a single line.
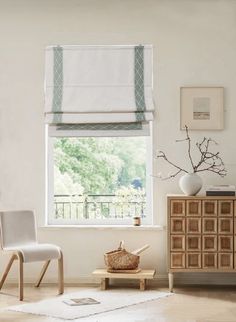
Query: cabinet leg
[[171, 281], [104, 283]]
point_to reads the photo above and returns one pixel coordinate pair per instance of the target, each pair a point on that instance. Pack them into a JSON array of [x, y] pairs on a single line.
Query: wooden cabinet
[[201, 235]]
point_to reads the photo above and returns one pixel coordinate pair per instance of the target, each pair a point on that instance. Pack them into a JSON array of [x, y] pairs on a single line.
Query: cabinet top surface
[[180, 196]]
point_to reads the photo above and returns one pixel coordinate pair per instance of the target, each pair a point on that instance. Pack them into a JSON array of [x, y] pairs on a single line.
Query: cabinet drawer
[[177, 207], [177, 243], [209, 260], [225, 208], [193, 260], [209, 243], [194, 225], [209, 207], [193, 243], [225, 226], [177, 225], [225, 261], [225, 243], [193, 207], [177, 260], [209, 225]]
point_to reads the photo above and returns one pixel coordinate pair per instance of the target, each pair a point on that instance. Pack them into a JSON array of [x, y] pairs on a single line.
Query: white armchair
[[18, 237]]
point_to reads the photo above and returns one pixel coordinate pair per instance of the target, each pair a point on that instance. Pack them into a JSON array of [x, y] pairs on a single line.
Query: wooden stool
[[142, 276]]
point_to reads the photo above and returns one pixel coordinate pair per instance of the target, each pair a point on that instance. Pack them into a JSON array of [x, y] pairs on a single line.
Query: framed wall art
[[202, 108]]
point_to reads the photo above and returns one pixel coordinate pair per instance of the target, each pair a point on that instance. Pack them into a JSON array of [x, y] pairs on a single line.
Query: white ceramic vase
[[190, 184]]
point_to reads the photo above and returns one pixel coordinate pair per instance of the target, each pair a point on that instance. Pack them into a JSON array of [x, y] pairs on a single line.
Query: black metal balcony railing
[[78, 207]]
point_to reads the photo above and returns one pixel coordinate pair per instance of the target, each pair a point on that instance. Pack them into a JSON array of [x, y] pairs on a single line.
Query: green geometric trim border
[[139, 83], [101, 126], [57, 83]]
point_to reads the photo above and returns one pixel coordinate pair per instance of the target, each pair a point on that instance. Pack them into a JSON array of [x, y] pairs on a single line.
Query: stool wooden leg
[[142, 284], [104, 284], [171, 281]]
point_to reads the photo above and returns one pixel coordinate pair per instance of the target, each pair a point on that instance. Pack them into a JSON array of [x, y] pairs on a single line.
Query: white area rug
[[109, 300]]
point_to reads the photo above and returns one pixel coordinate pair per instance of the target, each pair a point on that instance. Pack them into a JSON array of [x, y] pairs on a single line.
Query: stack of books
[[81, 301], [221, 190]]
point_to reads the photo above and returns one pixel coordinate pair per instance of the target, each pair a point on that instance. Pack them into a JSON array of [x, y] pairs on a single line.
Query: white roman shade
[[98, 86]]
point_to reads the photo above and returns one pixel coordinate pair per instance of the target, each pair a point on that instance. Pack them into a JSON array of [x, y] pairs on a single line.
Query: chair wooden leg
[[5, 273], [60, 275], [20, 272], [43, 271]]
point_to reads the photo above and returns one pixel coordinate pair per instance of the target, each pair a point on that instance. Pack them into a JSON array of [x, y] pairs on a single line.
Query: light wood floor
[[189, 304]]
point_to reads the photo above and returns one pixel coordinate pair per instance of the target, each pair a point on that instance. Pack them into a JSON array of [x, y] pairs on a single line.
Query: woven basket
[[120, 259]]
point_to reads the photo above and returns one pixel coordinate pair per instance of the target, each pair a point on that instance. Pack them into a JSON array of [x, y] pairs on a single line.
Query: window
[[99, 180], [99, 111]]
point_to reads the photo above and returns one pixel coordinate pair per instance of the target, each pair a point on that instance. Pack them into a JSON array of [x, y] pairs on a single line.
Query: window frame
[[49, 198]]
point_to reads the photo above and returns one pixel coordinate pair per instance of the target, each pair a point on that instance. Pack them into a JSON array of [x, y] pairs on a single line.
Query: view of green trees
[[98, 177], [98, 165]]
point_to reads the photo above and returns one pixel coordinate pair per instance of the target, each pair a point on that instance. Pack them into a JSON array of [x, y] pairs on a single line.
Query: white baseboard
[[81, 280], [179, 279]]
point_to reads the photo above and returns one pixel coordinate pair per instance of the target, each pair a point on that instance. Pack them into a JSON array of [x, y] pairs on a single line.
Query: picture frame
[[202, 108]]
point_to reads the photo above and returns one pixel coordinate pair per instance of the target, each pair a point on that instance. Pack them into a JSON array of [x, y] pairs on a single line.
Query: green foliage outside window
[[98, 165], [99, 177]]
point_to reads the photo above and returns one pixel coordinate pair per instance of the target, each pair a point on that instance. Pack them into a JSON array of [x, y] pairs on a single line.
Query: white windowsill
[[104, 227]]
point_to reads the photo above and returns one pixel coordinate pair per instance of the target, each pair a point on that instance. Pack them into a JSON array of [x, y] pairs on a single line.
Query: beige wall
[[194, 44]]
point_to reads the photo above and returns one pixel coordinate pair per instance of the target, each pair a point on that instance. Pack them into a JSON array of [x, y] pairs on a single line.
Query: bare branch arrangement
[[208, 160]]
